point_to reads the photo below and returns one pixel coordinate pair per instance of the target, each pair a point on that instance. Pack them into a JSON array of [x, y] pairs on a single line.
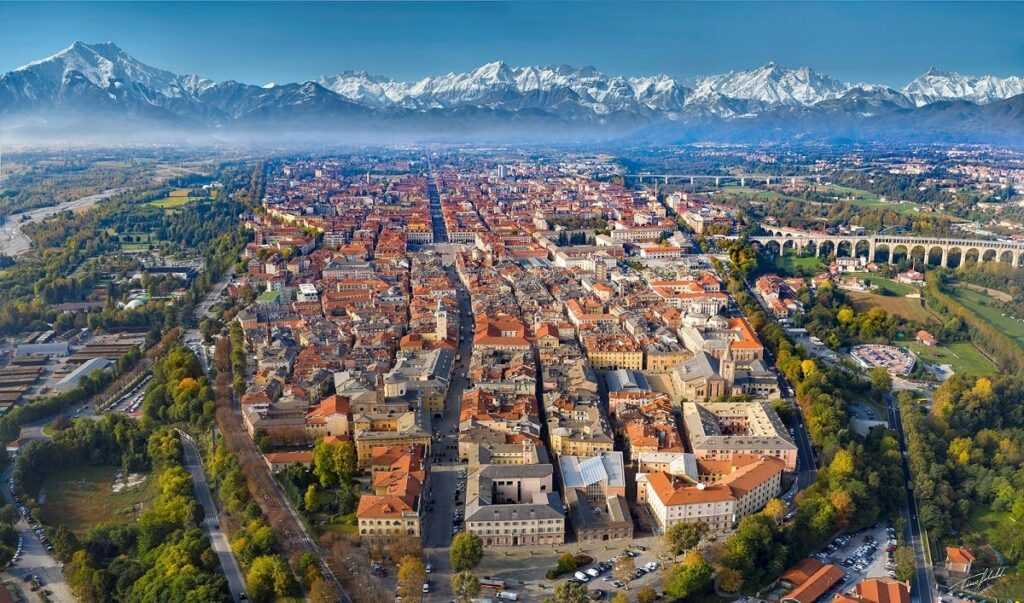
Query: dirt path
[[993, 293]]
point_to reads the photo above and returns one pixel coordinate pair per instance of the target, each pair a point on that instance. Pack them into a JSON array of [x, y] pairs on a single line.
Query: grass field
[[180, 192], [910, 309], [733, 191], [170, 202], [981, 304], [81, 497], [962, 356], [883, 283], [996, 530], [854, 195], [791, 264]]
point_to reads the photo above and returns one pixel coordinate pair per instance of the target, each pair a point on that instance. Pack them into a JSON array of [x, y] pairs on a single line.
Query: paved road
[[211, 523], [35, 560], [444, 465], [436, 218], [192, 337], [807, 470], [923, 587]]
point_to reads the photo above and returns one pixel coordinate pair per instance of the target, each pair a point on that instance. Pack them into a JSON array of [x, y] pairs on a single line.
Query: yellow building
[[405, 429], [613, 351]]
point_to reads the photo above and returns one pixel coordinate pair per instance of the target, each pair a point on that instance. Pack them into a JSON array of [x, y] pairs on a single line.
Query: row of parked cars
[[36, 527], [595, 571]]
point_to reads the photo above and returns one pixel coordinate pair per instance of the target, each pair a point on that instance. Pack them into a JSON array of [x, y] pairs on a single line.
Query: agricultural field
[[908, 308], [181, 196], [170, 202], [984, 306], [962, 356], [83, 496]]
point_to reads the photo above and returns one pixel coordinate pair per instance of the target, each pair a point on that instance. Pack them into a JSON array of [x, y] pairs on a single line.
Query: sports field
[[961, 355]]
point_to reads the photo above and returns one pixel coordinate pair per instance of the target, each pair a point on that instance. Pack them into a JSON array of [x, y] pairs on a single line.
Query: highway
[[923, 587], [211, 524]]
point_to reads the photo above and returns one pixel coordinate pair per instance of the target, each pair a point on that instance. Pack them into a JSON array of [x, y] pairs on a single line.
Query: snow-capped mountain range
[[89, 80]]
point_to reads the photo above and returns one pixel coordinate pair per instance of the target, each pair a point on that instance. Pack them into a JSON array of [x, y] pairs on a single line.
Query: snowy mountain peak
[[935, 85], [104, 65], [102, 79], [772, 84]]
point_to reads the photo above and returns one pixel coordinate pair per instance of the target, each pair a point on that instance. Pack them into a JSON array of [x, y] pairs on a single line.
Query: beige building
[[720, 430], [329, 418], [404, 429], [577, 429], [659, 360], [514, 505], [393, 510]]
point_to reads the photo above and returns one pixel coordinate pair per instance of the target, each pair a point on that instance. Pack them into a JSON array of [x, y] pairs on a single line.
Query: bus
[[492, 583]]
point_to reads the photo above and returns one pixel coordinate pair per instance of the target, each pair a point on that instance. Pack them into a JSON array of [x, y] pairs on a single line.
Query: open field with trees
[[798, 265], [906, 308], [82, 496], [983, 306]]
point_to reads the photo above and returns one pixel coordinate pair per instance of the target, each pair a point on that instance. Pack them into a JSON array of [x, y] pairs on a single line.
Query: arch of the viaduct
[[963, 251]]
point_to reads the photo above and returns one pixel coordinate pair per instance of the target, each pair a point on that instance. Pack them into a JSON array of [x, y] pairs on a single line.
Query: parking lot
[[131, 402], [523, 570], [866, 554]]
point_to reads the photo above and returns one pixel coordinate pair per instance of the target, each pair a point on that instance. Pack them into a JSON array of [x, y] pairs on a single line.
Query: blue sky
[[881, 42]]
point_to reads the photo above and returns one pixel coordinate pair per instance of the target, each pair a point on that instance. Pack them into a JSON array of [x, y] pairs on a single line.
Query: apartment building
[[613, 351], [393, 510], [394, 429], [577, 429], [750, 483]]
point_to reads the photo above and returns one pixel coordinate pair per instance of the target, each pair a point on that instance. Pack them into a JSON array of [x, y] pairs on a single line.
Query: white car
[[593, 573], [582, 577]]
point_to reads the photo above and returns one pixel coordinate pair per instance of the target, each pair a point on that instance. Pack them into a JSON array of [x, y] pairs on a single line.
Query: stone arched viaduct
[[823, 244]]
